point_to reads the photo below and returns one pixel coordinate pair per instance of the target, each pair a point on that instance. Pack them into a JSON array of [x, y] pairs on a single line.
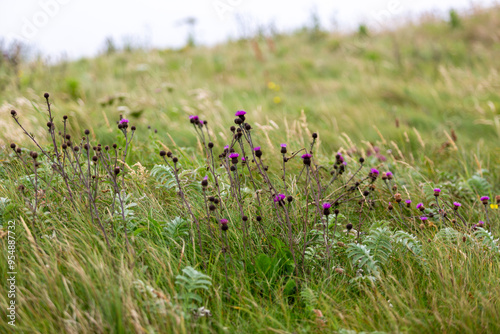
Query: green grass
[[426, 95]]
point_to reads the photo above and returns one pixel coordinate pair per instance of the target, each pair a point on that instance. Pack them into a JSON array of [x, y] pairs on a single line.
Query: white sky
[[79, 27]]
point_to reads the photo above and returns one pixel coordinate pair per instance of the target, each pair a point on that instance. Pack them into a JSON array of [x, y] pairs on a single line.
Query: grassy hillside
[[124, 240]]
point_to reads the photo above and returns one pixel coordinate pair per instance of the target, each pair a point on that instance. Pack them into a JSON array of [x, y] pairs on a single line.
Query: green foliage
[[164, 176], [487, 239], [378, 248], [176, 229], [409, 241], [189, 283], [361, 257], [363, 30], [454, 19], [479, 184]]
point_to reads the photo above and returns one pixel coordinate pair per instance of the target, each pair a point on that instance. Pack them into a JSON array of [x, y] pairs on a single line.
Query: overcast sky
[[78, 28]]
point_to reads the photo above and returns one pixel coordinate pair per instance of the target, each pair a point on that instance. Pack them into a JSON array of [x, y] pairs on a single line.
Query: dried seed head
[[87, 132], [13, 113], [348, 226], [315, 135], [163, 153], [117, 170], [46, 95], [13, 146]]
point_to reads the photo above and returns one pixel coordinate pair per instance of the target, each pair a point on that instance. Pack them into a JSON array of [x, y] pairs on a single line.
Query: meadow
[[309, 182]]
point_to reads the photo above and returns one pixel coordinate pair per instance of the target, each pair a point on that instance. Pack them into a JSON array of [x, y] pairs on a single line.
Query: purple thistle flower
[[408, 201], [437, 190], [456, 204], [226, 147], [243, 159], [423, 218], [389, 174], [194, 118], [306, 156], [485, 198], [327, 205], [374, 171], [480, 224], [240, 113], [223, 223], [234, 155], [123, 121], [283, 145], [205, 178], [256, 148], [279, 198], [420, 205]]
